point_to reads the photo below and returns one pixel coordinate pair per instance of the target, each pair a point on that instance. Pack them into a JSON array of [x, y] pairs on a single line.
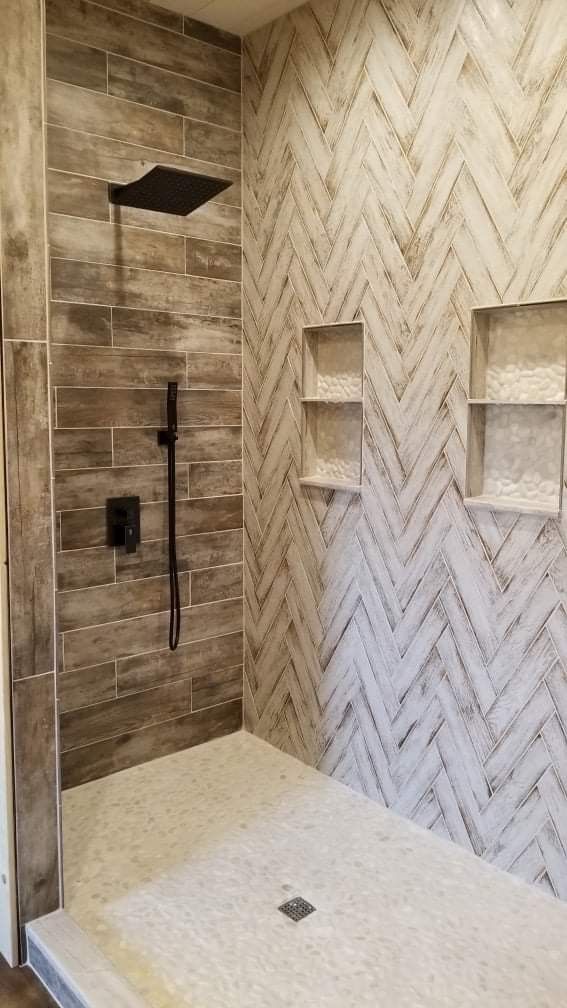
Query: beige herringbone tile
[[404, 162]]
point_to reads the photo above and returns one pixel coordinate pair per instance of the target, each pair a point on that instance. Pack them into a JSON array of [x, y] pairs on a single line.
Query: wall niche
[[517, 408], [332, 406]]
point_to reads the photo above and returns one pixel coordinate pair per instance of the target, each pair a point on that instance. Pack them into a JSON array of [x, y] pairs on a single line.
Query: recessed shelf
[[332, 406], [487, 503], [329, 484], [517, 408]]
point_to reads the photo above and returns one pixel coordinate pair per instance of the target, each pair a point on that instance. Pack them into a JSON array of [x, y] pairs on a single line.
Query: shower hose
[[169, 437]]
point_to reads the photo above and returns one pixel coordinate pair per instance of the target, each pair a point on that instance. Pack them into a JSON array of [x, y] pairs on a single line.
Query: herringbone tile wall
[[405, 160]]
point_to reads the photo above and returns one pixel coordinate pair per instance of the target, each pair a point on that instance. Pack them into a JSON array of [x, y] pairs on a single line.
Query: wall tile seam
[[139, 269], [172, 31], [145, 616], [158, 311], [146, 350], [144, 63], [147, 654], [147, 577], [154, 724], [144, 269], [122, 694], [100, 507]]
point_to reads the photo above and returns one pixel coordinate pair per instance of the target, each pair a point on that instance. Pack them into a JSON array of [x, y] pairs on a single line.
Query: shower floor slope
[[176, 868]]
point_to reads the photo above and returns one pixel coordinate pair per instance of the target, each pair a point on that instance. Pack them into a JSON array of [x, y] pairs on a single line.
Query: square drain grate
[[297, 908]]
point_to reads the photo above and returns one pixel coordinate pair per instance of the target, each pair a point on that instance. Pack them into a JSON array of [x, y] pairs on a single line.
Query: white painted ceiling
[[237, 16]]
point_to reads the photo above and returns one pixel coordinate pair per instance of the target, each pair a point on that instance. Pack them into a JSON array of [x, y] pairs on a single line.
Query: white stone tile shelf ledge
[[175, 871]]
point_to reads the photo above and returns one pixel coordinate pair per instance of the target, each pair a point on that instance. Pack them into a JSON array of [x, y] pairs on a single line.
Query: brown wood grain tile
[[142, 288], [75, 64], [35, 765], [216, 583], [213, 259], [130, 37], [206, 549], [29, 508], [215, 36], [109, 603], [90, 488], [195, 444], [217, 688], [77, 195], [167, 331], [89, 762], [101, 242], [144, 408], [214, 221], [86, 686], [212, 479], [125, 714], [106, 116], [112, 367], [86, 528], [149, 633], [200, 658], [103, 157], [85, 568], [81, 324], [81, 449], [214, 371], [159, 16], [213, 143], [184, 96], [22, 199]]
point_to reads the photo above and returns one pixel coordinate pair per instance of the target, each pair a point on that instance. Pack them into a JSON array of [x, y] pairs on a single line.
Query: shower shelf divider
[[515, 445], [332, 406]]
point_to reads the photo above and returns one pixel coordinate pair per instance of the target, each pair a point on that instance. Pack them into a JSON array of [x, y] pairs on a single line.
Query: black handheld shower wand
[[169, 437]]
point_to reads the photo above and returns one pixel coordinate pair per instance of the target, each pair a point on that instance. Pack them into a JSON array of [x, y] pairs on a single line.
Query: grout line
[[145, 727], [144, 227], [142, 269], [145, 616], [230, 319]]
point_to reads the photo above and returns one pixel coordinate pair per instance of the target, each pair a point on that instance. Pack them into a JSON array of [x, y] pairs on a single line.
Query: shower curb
[[72, 969]]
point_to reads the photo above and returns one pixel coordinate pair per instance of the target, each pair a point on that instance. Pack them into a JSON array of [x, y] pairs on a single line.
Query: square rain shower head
[[168, 190]]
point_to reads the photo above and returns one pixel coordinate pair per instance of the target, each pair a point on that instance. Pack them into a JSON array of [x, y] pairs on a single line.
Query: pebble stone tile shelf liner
[[517, 407]]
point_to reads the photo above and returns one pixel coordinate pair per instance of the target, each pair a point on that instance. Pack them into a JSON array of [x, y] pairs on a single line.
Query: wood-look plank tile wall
[[26, 402], [140, 299]]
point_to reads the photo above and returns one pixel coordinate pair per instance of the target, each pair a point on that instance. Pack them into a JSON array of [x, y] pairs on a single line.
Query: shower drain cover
[[297, 908]]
